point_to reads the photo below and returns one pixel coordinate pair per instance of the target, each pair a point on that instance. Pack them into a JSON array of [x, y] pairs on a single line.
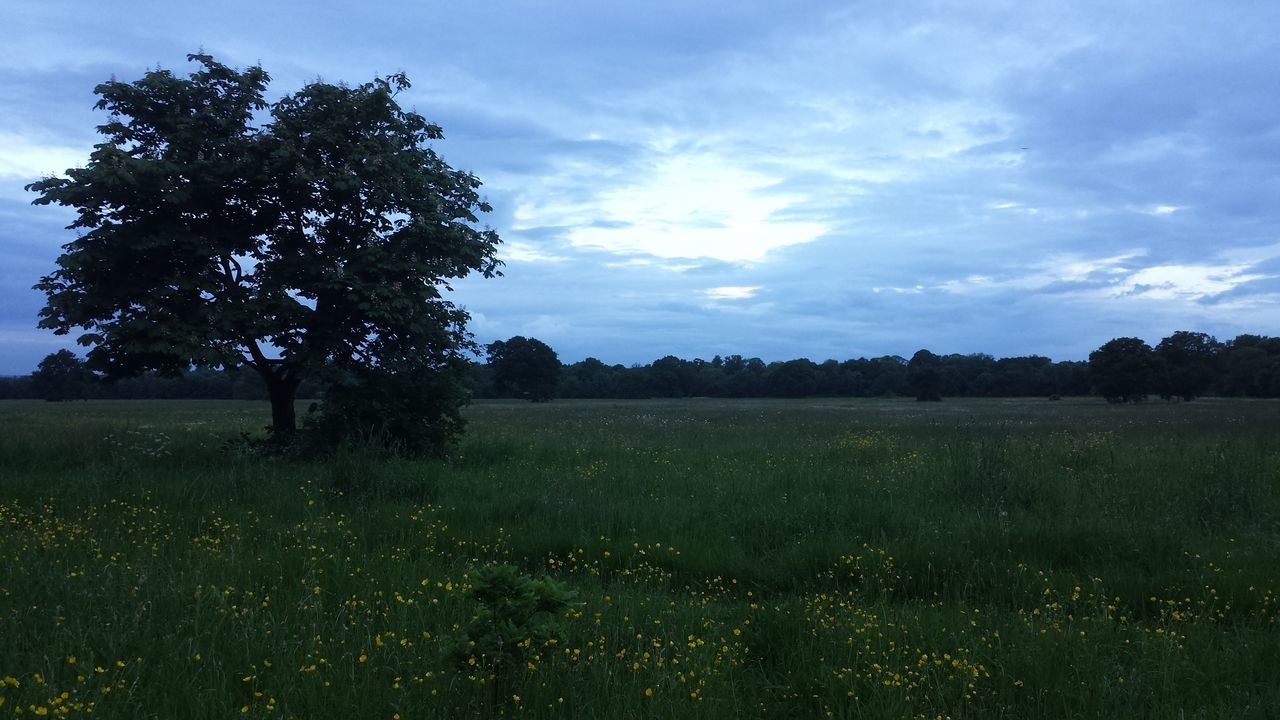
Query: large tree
[[61, 376], [1123, 370], [1188, 364], [925, 376], [314, 237], [524, 367]]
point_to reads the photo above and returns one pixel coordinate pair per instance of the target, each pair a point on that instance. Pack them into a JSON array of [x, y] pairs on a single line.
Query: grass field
[[819, 558]]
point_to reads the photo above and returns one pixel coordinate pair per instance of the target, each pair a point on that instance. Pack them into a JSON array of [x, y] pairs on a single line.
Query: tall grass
[[733, 558]]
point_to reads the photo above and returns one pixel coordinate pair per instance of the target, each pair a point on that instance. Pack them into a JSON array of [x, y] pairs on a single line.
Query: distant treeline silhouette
[[1248, 366], [198, 384], [738, 377], [1183, 365]]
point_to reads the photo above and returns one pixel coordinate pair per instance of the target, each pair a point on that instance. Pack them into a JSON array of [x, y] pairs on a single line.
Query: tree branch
[[260, 360]]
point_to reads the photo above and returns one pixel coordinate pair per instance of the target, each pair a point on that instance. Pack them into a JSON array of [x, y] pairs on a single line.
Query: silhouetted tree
[[524, 367], [793, 378], [1123, 370], [666, 377], [705, 379], [61, 376], [885, 375], [314, 239], [1069, 377], [925, 375], [1247, 368], [590, 378], [748, 377], [1189, 364]]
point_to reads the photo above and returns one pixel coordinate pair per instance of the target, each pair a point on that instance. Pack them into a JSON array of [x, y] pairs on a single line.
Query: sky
[[781, 180]]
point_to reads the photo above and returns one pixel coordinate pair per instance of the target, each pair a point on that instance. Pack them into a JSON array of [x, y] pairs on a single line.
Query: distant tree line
[[735, 376], [63, 376], [1184, 366]]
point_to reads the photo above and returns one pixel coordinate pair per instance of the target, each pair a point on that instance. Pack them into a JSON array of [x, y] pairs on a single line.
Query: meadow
[[778, 559]]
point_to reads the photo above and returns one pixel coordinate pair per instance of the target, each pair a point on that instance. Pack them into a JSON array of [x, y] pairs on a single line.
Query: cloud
[[675, 267], [1185, 282], [1056, 272], [732, 292], [683, 206], [29, 159], [525, 252], [1118, 277]]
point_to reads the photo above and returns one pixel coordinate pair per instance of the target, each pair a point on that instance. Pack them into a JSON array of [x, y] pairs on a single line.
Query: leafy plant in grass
[[517, 616]]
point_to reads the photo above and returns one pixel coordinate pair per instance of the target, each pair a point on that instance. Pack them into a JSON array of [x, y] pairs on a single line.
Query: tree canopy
[[1123, 370], [61, 376], [524, 367], [316, 238], [1188, 364], [925, 375]]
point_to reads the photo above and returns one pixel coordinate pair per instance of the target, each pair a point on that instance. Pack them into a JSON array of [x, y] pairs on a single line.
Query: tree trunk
[[282, 389]]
